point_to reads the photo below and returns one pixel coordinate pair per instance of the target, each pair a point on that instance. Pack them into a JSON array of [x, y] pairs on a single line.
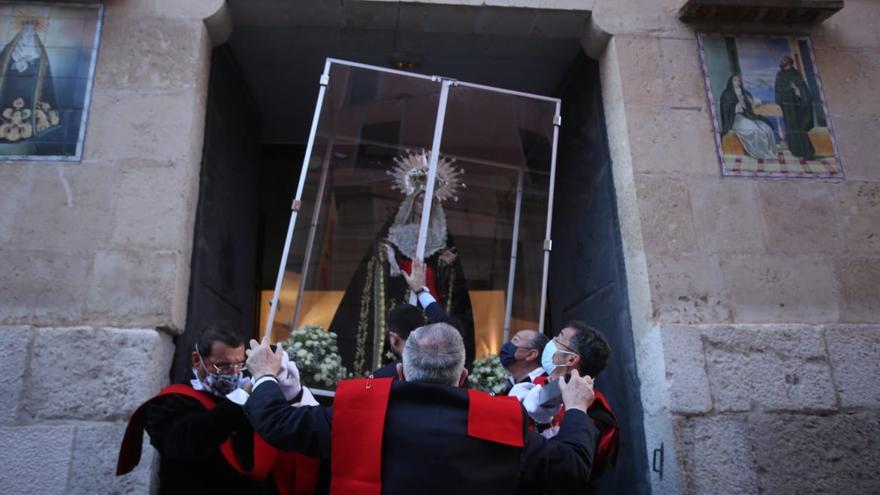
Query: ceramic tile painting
[[768, 108], [47, 65]]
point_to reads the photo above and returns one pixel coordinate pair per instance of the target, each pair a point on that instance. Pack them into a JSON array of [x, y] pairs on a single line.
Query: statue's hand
[[448, 256], [393, 267]]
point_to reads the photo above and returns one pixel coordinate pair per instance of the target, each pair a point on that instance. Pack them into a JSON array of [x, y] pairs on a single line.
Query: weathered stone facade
[[755, 309]]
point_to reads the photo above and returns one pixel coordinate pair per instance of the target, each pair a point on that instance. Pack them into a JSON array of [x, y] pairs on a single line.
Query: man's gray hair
[[434, 354]]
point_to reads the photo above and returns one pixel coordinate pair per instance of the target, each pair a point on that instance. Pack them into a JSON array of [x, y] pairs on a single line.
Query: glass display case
[[402, 166]]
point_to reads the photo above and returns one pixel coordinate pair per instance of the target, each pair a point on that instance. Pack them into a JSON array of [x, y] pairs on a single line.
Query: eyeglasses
[[560, 344], [223, 368]]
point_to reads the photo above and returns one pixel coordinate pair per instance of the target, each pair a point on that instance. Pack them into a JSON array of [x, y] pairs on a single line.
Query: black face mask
[[507, 354]]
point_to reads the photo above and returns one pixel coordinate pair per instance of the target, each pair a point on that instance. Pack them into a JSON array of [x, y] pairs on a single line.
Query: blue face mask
[[547, 357], [507, 355]]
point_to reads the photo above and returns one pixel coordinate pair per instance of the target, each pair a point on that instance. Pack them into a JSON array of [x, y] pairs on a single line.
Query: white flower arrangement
[[316, 355], [488, 375]]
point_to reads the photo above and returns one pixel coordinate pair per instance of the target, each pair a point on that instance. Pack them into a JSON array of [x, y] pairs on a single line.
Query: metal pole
[[310, 243], [325, 79], [432, 174], [513, 252], [548, 243]]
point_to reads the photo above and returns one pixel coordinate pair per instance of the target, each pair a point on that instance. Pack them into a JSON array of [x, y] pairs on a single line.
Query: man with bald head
[[425, 433], [521, 356]]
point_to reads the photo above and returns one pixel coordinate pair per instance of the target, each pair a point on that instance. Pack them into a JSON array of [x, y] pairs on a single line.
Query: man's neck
[[519, 375]]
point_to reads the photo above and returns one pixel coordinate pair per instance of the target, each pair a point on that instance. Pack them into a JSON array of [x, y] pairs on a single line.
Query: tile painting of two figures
[[768, 107]]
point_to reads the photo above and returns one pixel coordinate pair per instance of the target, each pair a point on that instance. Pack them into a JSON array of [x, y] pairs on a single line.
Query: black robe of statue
[[27, 98], [357, 319], [797, 112]]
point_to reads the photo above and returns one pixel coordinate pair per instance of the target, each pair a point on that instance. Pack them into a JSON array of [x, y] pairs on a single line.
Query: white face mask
[[549, 359]]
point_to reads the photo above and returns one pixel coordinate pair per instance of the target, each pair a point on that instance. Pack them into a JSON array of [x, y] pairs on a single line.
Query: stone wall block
[[860, 216], [855, 358], [727, 215], [685, 370], [135, 125], [859, 298], [149, 210], [783, 367], [42, 287], [14, 349], [799, 217], [849, 78], [95, 450], [132, 288], [149, 54], [93, 374], [853, 132], [50, 219], [35, 459], [682, 75], [771, 289], [163, 9], [715, 456], [854, 26], [687, 289], [640, 76], [665, 212], [816, 454], [676, 141], [15, 187]]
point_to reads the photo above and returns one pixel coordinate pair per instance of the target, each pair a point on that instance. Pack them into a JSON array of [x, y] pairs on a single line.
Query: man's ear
[[400, 372], [464, 375], [533, 355], [195, 359]]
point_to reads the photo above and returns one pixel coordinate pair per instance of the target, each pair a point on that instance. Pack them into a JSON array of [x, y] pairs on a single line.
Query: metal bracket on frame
[[548, 244], [557, 120], [325, 79]]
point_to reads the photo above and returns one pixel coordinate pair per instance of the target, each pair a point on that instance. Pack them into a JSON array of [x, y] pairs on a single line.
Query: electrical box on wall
[[771, 11]]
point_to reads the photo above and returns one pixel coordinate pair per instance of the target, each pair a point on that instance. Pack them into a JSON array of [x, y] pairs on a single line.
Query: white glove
[[288, 378], [540, 415]]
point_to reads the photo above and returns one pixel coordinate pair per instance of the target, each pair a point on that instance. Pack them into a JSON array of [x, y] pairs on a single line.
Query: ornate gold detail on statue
[[363, 327], [410, 175]]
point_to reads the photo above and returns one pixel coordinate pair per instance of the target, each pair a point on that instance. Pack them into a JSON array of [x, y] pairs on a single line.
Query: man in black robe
[[427, 444], [796, 101]]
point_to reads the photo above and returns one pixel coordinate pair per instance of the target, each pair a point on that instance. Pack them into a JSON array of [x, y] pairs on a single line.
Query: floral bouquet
[[488, 375], [316, 355]]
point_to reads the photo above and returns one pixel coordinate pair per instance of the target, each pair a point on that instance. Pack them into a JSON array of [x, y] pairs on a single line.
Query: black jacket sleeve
[[303, 429], [436, 313], [563, 463], [180, 428]]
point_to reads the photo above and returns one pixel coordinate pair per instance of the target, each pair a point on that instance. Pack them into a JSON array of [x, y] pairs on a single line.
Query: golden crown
[[410, 175]]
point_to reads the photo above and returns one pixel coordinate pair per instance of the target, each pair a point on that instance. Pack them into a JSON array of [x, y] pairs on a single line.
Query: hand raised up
[[577, 393], [262, 360], [416, 278]]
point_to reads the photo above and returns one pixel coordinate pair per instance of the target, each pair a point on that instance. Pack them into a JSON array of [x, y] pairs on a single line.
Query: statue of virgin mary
[[27, 92], [378, 285]]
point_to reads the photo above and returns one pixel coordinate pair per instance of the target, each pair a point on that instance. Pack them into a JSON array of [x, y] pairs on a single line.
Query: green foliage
[[316, 354], [488, 375]]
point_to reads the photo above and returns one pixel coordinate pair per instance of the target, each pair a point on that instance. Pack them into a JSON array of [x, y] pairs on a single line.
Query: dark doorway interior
[[225, 256], [587, 278], [251, 162]]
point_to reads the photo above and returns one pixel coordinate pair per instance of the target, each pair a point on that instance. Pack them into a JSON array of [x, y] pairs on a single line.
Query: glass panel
[[368, 118], [497, 141]]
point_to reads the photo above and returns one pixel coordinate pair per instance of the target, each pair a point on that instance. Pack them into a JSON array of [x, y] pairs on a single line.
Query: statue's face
[[737, 82], [418, 205]]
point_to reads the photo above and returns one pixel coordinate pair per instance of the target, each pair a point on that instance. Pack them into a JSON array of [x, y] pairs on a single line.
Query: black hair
[[217, 332], [405, 318], [592, 347], [538, 342]]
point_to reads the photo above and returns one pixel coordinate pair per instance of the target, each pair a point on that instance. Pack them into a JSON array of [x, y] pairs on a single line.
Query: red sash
[[605, 420], [359, 423], [430, 280], [292, 471]]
